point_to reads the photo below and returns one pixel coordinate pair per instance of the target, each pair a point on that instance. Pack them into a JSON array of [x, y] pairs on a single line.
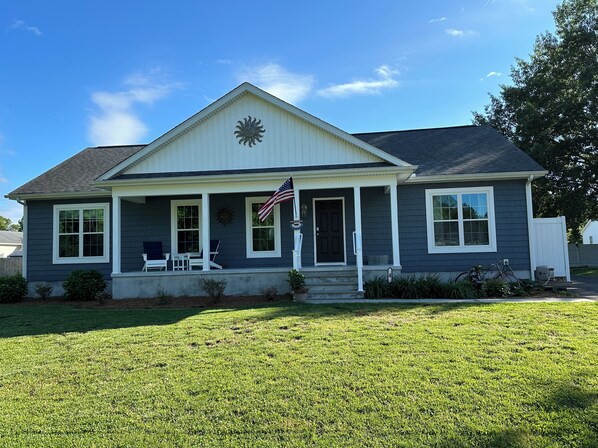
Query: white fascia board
[[474, 177], [230, 97], [246, 186], [275, 176], [63, 195]]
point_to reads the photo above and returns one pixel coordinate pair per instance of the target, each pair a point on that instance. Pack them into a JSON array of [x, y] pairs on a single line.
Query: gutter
[[531, 234]]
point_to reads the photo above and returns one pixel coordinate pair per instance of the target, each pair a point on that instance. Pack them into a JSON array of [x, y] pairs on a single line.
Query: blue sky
[[83, 73]]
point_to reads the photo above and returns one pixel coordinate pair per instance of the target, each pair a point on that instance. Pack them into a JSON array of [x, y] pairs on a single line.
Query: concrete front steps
[[331, 284]]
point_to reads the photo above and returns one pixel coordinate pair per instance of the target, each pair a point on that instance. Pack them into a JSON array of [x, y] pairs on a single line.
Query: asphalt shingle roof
[[442, 151], [8, 237], [455, 150], [77, 173]]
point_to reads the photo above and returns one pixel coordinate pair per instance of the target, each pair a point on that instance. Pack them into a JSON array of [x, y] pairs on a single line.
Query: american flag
[[284, 193]]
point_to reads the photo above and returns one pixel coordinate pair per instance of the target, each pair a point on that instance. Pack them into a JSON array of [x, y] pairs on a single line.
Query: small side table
[[180, 262]]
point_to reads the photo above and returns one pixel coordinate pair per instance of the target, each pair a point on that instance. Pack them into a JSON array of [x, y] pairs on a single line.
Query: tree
[[7, 224], [551, 113]]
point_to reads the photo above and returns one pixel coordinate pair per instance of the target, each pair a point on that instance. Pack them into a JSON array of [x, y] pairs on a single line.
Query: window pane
[[475, 206], [93, 245], [93, 220], [476, 233], [263, 239], [446, 233], [187, 217], [68, 221], [445, 207], [68, 246], [187, 241]]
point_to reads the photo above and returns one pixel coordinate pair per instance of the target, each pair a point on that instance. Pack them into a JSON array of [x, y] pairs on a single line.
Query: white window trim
[[249, 234], [433, 249], [173, 223], [55, 240]]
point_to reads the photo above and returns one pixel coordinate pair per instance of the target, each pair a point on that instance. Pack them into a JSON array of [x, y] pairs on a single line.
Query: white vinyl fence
[[550, 245]]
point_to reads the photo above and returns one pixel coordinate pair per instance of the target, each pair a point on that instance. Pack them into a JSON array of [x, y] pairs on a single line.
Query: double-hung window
[[460, 220], [185, 223], [262, 237], [80, 233]]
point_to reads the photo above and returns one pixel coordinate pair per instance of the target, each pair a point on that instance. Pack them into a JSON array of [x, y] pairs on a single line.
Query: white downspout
[[531, 234], [24, 241]]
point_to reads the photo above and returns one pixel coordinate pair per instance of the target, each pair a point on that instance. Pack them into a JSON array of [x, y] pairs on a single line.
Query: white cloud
[[491, 74], [116, 122], [439, 19], [274, 79], [20, 25], [460, 33], [386, 80]]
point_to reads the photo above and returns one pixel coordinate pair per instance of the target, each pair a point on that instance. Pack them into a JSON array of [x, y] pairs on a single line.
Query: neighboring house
[[10, 243], [589, 232], [431, 200]]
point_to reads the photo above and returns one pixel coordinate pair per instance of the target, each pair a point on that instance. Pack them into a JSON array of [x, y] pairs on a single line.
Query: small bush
[[404, 288], [103, 298], [162, 297], [213, 288], [296, 280], [12, 288], [376, 288], [459, 290], [44, 290], [496, 288], [429, 286], [523, 288], [270, 293], [83, 285]]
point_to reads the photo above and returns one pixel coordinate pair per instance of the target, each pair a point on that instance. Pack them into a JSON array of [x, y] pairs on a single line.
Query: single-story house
[[589, 232], [418, 201], [10, 243]]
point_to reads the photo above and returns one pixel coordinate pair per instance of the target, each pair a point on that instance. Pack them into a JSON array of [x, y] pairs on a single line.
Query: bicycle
[[500, 270]]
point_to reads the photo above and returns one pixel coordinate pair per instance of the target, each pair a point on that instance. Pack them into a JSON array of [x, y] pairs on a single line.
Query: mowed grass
[[513, 375], [586, 270]]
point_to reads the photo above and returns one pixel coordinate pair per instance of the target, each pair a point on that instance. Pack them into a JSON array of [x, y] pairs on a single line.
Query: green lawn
[[454, 375], [590, 271]]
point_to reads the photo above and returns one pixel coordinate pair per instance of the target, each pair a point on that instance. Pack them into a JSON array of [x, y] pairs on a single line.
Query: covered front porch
[[345, 222]]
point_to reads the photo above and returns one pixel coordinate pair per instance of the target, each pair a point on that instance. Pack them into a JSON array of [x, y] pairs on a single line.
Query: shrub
[[429, 286], [83, 285], [404, 288], [12, 288], [162, 297], [496, 288], [103, 298], [523, 288], [270, 293], [43, 290], [296, 280], [376, 288], [459, 290], [214, 288]]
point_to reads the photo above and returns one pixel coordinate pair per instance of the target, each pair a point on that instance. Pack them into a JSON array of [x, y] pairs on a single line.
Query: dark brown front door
[[330, 238]]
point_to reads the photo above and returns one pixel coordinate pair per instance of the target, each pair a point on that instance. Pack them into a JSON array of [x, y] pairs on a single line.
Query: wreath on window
[[224, 215]]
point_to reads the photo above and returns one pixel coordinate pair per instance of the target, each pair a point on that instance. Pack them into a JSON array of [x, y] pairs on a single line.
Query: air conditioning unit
[[544, 273]]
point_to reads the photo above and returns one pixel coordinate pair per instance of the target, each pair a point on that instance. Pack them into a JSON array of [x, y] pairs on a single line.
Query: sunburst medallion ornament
[[249, 131]]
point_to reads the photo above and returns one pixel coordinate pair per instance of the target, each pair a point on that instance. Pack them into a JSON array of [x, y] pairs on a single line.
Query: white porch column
[[394, 225], [297, 236], [116, 234], [358, 246], [205, 230]]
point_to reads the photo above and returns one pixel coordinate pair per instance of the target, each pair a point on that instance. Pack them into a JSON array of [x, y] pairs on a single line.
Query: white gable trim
[[231, 97]]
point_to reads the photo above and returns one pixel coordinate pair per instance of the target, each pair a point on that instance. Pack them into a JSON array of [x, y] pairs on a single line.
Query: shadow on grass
[[26, 320]]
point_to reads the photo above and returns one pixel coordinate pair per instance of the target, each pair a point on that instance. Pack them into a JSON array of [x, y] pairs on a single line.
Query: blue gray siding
[[39, 244], [511, 229], [151, 222]]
